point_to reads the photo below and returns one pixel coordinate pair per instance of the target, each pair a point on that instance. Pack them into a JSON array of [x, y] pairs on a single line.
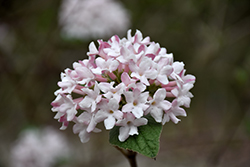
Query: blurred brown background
[[212, 38]]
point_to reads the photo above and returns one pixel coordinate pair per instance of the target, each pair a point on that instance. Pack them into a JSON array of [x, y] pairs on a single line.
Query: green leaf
[[146, 143]]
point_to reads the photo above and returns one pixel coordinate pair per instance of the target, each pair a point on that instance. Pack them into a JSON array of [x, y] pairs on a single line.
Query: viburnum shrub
[[132, 85]]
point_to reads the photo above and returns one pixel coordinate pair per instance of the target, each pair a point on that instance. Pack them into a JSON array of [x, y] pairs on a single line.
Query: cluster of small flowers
[[81, 19], [121, 82], [39, 148]]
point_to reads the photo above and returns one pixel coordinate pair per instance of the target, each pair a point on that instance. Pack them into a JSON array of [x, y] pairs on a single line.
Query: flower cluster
[[121, 82], [39, 148], [83, 19]]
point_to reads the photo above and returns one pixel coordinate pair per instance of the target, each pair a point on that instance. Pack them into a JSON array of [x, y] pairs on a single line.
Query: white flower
[[81, 74], [64, 105], [67, 84], [129, 126], [131, 83], [84, 125], [177, 69], [143, 71], [183, 95], [152, 50], [112, 92], [92, 18], [174, 111], [109, 65], [109, 112], [158, 104], [137, 38], [136, 102], [92, 49], [93, 97], [114, 50], [164, 70]]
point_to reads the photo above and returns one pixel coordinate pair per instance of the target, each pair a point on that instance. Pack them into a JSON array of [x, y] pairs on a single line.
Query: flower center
[[153, 103], [111, 111], [129, 122], [135, 103]]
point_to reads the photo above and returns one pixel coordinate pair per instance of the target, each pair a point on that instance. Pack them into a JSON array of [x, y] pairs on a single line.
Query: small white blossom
[[65, 105], [129, 126], [143, 71], [67, 84], [136, 102], [174, 111], [84, 125], [112, 92], [158, 105], [82, 74], [102, 65], [93, 97], [109, 112]]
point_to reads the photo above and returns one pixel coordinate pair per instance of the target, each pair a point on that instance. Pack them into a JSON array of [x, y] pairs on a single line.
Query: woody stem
[[130, 155]]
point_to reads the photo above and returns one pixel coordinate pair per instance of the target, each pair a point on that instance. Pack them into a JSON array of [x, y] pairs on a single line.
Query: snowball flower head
[[40, 148], [92, 18], [123, 82]]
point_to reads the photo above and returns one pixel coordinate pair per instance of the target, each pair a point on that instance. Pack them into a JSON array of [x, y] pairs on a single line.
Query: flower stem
[[130, 155]]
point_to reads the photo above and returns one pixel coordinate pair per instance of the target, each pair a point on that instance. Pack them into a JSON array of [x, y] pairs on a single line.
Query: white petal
[[179, 112], [166, 70], [91, 126], [118, 114], [133, 130], [113, 104], [92, 49], [86, 102], [100, 62], [178, 67], [160, 94], [184, 101], [140, 121], [165, 105], [71, 113], [174, 118], [175, 92], [157, 114], [165, 119], [144, 80], [85, 117], [143, 97], [138, 112], [97, 70], [152, 74], [105, 87], [109, 122], [84, 136], [96, 130], [163, 79], [93, 106], [123, 133], [113, 65], [127, 107], [136, 75], [101, 116], [129, 96], [78, 127]]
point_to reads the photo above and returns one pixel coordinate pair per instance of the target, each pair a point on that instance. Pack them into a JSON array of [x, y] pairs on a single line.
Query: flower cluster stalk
[[130, 155]]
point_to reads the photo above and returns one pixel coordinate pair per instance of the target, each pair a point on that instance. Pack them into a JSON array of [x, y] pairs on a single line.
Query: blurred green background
[[212, 38]]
